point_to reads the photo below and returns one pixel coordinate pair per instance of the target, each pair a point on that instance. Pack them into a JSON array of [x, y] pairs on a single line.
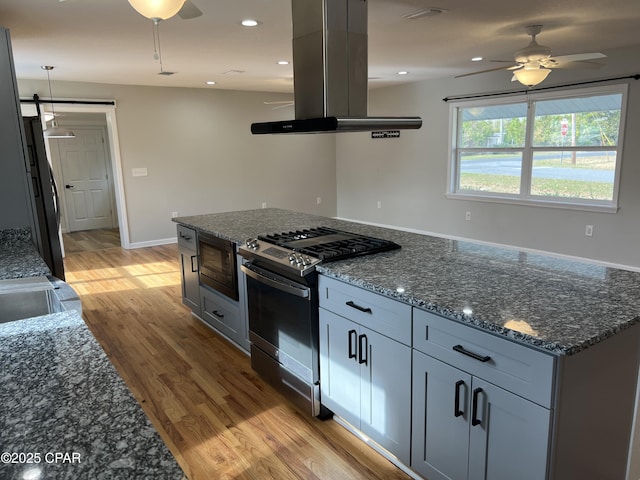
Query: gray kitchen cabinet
[[465, 427], [188, 250], [365, 374], [222, 313]]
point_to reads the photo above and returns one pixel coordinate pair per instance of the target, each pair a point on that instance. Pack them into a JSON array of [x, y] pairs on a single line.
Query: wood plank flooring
[[218, 418], [85, 240]]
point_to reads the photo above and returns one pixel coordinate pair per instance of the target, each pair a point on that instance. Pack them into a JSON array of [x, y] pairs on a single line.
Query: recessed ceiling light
[[283, 62], [403, 72], [477, 59], [249, 22], [211, 82]]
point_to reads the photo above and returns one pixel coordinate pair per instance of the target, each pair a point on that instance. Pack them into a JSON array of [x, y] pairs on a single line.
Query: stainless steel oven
[[283, 330], [218, 268], [282, 301]]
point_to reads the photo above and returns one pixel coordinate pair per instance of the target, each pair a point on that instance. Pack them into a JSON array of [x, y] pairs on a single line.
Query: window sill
[[591, 207]]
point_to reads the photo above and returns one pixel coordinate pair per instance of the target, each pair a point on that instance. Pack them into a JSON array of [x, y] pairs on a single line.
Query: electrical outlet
[[588, 231], [264, 204], [139, 172], [467, 216], [174, 214], [379, 204], [318, 200]]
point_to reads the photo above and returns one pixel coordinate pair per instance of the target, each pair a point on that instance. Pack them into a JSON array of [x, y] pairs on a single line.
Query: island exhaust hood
[[330, 72]]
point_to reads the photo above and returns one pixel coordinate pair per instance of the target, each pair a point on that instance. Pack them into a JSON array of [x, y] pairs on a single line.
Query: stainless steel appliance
[[283, 304], [218, 269], [330, 56]]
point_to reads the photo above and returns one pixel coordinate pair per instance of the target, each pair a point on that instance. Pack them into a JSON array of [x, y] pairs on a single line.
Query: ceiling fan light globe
[[531, 76], [157, 9]]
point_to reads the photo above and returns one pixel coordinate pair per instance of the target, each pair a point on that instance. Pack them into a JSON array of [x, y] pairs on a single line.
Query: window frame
[[528, 150]]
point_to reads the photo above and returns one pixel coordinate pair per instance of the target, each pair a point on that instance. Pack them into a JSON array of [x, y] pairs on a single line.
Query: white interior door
[[85, 182]]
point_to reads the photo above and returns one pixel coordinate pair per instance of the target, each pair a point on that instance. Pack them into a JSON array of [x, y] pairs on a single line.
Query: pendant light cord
[[53, 111]]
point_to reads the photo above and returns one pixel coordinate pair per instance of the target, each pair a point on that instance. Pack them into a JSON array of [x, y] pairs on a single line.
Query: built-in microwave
[[218, 268]]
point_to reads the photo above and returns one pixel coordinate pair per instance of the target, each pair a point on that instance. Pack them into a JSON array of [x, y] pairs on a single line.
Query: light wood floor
[[91, 240], [219, 419]]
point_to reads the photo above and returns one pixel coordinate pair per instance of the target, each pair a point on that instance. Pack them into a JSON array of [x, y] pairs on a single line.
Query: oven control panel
[[283, 257]]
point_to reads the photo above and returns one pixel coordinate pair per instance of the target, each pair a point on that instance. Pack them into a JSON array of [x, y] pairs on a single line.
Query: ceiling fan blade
[[189, 11], [577, 57], [280, 104], [512, 67]]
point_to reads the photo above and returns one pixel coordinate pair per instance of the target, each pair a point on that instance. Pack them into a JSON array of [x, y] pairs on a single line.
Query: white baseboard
[[151, 243]]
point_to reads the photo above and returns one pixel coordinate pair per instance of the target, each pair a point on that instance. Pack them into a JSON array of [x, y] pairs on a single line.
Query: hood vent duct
[[330, 72]]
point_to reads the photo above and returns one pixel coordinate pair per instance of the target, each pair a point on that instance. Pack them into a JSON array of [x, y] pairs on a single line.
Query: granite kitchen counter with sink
[[554, 304], [66, 413]]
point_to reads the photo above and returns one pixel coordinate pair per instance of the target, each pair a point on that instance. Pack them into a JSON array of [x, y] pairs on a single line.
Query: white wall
[[408, 175], [201, 156]]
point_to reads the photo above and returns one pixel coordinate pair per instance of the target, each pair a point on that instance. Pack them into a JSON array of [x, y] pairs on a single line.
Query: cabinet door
[[385, 392], [190, 282], [441, 413], [510, 437], [339, 367]]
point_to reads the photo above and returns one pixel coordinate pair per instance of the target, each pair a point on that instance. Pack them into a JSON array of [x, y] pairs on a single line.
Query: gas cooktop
[[299, 252], [329, 244]]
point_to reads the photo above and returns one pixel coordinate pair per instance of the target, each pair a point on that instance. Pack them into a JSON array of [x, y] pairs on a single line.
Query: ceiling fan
[[163, 10], [533, 63]]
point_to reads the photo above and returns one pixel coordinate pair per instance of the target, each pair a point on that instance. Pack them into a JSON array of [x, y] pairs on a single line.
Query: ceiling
[[107, 41]]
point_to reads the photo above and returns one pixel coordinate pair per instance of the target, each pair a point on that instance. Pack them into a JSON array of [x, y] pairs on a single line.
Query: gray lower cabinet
[[465, 427], [188, 250], [481, 405], [365, 375], [222, 313]]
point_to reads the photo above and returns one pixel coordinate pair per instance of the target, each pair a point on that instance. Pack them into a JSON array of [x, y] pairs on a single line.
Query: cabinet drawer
[[376, 312], [187, 237], [220, 313], [517, 368]]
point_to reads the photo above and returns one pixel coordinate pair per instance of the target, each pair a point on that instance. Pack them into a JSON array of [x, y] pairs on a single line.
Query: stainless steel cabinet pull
[[358, 307], [186, 237], [217, 314], [456, 403], [194, 269], [475, 356], [475, 421], [352, 343]]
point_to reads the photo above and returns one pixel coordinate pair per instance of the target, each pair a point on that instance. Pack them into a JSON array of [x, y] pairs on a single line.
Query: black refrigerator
[[45, 199]]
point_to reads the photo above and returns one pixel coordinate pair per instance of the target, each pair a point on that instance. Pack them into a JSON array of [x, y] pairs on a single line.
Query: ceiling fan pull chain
[[156, 42]]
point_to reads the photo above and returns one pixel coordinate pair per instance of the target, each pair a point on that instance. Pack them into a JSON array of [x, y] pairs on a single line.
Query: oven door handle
[[272, 281]]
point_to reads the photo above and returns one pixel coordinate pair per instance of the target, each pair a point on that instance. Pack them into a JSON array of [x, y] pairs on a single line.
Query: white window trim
[[523, 199]]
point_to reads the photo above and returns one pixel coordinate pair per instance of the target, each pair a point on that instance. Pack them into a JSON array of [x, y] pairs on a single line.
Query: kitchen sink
[[32, 297]]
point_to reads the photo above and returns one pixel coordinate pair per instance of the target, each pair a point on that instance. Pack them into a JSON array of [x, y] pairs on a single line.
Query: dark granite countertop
[[18, 257], [558, 305], [65, 408]]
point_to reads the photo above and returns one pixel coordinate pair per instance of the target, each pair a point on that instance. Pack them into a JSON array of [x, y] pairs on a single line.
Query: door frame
[[116, 160], [78, 127]]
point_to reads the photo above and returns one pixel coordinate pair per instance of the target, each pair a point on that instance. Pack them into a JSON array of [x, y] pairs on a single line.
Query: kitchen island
[[66, 413], [567, 331], [558, 305]]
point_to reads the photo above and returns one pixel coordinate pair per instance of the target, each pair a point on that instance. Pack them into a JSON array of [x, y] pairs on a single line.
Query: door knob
[[68, 186]]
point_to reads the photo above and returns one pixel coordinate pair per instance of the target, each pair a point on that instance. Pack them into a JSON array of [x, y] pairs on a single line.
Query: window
[[554, 149]]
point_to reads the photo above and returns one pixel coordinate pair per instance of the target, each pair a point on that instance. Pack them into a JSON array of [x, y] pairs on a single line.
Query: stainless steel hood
[[330, 72]]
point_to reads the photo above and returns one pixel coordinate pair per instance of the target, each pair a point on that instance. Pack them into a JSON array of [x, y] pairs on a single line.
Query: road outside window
[[555, 149]]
